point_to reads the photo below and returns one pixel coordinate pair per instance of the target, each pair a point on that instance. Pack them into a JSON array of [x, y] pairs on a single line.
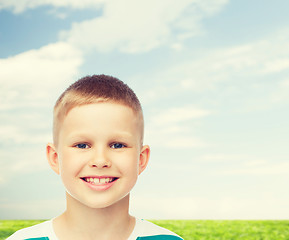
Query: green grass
[[7, 227], [195, 229], [228, 230]]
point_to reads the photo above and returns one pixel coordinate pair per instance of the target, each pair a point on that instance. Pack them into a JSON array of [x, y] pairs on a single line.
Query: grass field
[[195, 229]]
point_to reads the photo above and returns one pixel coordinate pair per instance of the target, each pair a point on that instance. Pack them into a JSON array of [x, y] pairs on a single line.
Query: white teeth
[[98, 181]]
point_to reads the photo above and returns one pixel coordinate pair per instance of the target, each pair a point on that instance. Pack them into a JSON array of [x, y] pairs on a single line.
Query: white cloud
[[157, 207], [277, 65], [172, 137], [241, 63], [139, 26], [182, 142], [174, 128], [127, 25], [280, 95], [262, 206], [178, 115], [30, 83], [200, 207], [245, 160], [51, 63], [23, 5], [205, 6], [219, 158], [25, 160], [285, 83], [245, 164], [33, 75], [18, 134], [258, 168], [19, 210], [251, 76], [30, 162]]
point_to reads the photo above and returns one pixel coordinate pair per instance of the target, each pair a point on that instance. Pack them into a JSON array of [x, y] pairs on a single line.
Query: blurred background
[[213, 79]]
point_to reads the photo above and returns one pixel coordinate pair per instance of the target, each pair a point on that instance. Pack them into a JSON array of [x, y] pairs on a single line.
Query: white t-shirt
[[143, 230]]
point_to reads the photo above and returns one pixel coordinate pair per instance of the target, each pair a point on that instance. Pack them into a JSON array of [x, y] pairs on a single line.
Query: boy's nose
[[100, 160]]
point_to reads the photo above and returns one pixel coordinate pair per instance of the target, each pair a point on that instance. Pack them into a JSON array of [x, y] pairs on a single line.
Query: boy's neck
[[82, 222]]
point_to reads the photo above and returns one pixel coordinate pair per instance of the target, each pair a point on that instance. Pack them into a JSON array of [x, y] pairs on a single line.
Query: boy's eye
[[117, 145], [82, 145]]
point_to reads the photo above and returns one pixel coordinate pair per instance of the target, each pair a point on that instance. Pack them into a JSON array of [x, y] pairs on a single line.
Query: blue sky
[[213, 79]]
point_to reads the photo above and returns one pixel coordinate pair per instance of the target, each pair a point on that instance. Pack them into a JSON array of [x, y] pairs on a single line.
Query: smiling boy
[[98, 152]]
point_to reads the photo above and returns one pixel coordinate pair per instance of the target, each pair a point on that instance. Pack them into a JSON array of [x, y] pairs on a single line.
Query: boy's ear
[[52, 157], [144, 158]]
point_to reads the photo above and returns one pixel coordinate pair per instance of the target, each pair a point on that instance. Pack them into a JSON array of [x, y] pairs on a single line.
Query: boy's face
[[99, 154]]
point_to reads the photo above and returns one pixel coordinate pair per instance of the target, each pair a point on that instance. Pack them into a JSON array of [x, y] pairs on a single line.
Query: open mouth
[[98, 180]]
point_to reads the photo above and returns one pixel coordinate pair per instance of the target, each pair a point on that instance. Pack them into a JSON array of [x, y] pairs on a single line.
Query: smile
[[99, 180]]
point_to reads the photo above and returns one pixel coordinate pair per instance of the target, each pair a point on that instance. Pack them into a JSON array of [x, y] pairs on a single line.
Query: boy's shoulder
[[145, 230], [41, 231]]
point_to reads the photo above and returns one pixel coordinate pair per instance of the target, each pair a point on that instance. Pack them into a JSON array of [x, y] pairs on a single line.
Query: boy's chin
[[100, 206], [103, 203]]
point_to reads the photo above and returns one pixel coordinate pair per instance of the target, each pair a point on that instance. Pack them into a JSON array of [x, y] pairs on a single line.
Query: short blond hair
[[95, 89]]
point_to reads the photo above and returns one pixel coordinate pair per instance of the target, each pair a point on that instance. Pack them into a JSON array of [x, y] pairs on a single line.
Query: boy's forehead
[[103, 105], [102, 110], [135, 116]]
